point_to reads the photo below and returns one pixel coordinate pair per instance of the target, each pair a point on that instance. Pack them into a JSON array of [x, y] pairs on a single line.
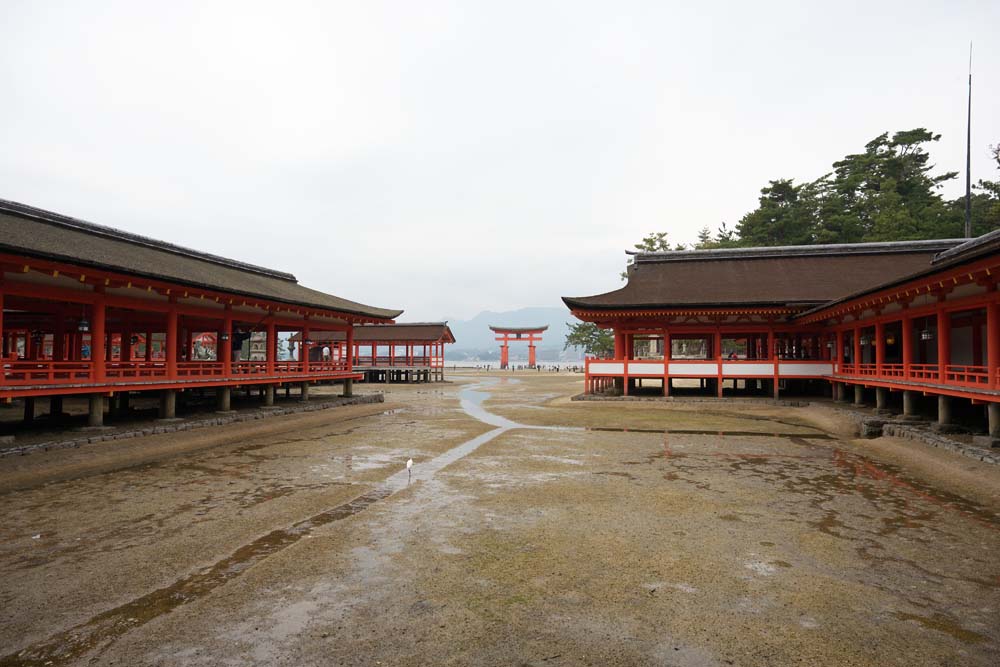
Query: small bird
[[409, 469]]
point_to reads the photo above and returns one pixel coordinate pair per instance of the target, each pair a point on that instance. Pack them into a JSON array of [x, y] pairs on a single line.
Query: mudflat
[[534, 530]]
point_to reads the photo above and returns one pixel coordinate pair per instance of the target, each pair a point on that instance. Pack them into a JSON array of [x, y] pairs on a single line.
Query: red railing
[[327, 366], [398, 362], [893, 370], [187, 369], [134, 370], [967, 375], [249, 368], [46, 372], [924, 371], [866, 370], [288, 367]]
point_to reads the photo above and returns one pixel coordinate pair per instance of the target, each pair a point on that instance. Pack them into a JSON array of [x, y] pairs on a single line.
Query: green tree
[[781, 218], [888, 192], [985, 209], [594, 340], [652, 242]]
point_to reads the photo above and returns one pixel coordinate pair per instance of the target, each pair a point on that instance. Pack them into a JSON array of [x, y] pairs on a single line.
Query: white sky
[[452, 157]]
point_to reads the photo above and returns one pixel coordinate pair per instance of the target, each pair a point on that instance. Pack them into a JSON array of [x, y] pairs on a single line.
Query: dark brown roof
[[500, 329], [30, 231], [792, 276], [966, 251], [418, 332]]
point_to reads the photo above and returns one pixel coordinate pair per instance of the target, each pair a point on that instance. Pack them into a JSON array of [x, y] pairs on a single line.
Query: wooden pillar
[[879, 346], [226, 342], [171, 341], [717, 351], [350, 348], [856, 357], [993, 343], [97, 341], [907, 335], [666, 363], [305, 351], [619, 345], [272, 351], [772, 355], [839, 352], [3, 337], [943, 344]]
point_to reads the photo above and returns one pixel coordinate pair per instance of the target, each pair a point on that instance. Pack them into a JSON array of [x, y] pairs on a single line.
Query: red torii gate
[[531, 335]]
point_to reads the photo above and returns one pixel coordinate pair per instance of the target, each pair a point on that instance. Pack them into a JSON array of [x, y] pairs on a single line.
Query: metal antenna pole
[[968, 157]]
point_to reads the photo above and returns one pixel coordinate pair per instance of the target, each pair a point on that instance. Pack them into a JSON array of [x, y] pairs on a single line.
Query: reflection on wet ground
[[681, 431], [104, 628], [785, 503]]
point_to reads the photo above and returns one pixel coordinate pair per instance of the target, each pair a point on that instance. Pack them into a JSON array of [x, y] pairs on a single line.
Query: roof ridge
[[58, 219], [877, 247]]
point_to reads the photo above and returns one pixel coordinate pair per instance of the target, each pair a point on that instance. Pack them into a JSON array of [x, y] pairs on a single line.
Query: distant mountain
[[474, 338]]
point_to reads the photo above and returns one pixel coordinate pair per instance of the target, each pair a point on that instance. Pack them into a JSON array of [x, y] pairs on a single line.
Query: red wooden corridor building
[[919, 318], [88, 309], [403, 352]]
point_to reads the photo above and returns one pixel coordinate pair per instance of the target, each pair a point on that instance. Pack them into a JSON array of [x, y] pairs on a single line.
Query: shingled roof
[[791, 276], [33, 232], [405, 332]]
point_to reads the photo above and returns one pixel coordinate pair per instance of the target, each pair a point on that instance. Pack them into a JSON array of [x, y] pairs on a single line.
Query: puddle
[[102, 630], [759, 434], [942, 623]]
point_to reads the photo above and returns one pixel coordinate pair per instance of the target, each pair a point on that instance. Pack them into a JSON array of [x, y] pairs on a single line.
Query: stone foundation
[[182, 425]]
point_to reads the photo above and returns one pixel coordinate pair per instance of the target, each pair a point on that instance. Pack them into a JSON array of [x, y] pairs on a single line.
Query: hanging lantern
[[890, 339], [224, 336], [926, 334], [83, 326], [36, 337]]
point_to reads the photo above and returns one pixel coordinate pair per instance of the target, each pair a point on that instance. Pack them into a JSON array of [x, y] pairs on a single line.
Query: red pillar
[[992, 341], [619, 345], [666, 363], [944, 343], [272, 346], [717, 351], [531, 355], [879, 347], [3, 337], [907, 325], [857, 348], [226, 342], [171, 342], [97, 339], [350, 348], [839, 352], [305, 349]]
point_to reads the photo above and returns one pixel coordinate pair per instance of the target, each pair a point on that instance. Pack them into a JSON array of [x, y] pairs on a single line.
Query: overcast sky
[[452, 157]]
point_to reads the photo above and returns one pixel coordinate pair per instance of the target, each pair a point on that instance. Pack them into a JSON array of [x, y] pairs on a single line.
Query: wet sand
[[534, 531]]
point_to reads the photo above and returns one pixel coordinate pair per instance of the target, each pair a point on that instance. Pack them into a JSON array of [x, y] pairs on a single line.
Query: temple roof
[[26, 230], [790, 276], [416, 332]]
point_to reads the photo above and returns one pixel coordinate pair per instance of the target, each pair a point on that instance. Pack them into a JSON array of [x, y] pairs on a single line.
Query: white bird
[[409, 469]]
